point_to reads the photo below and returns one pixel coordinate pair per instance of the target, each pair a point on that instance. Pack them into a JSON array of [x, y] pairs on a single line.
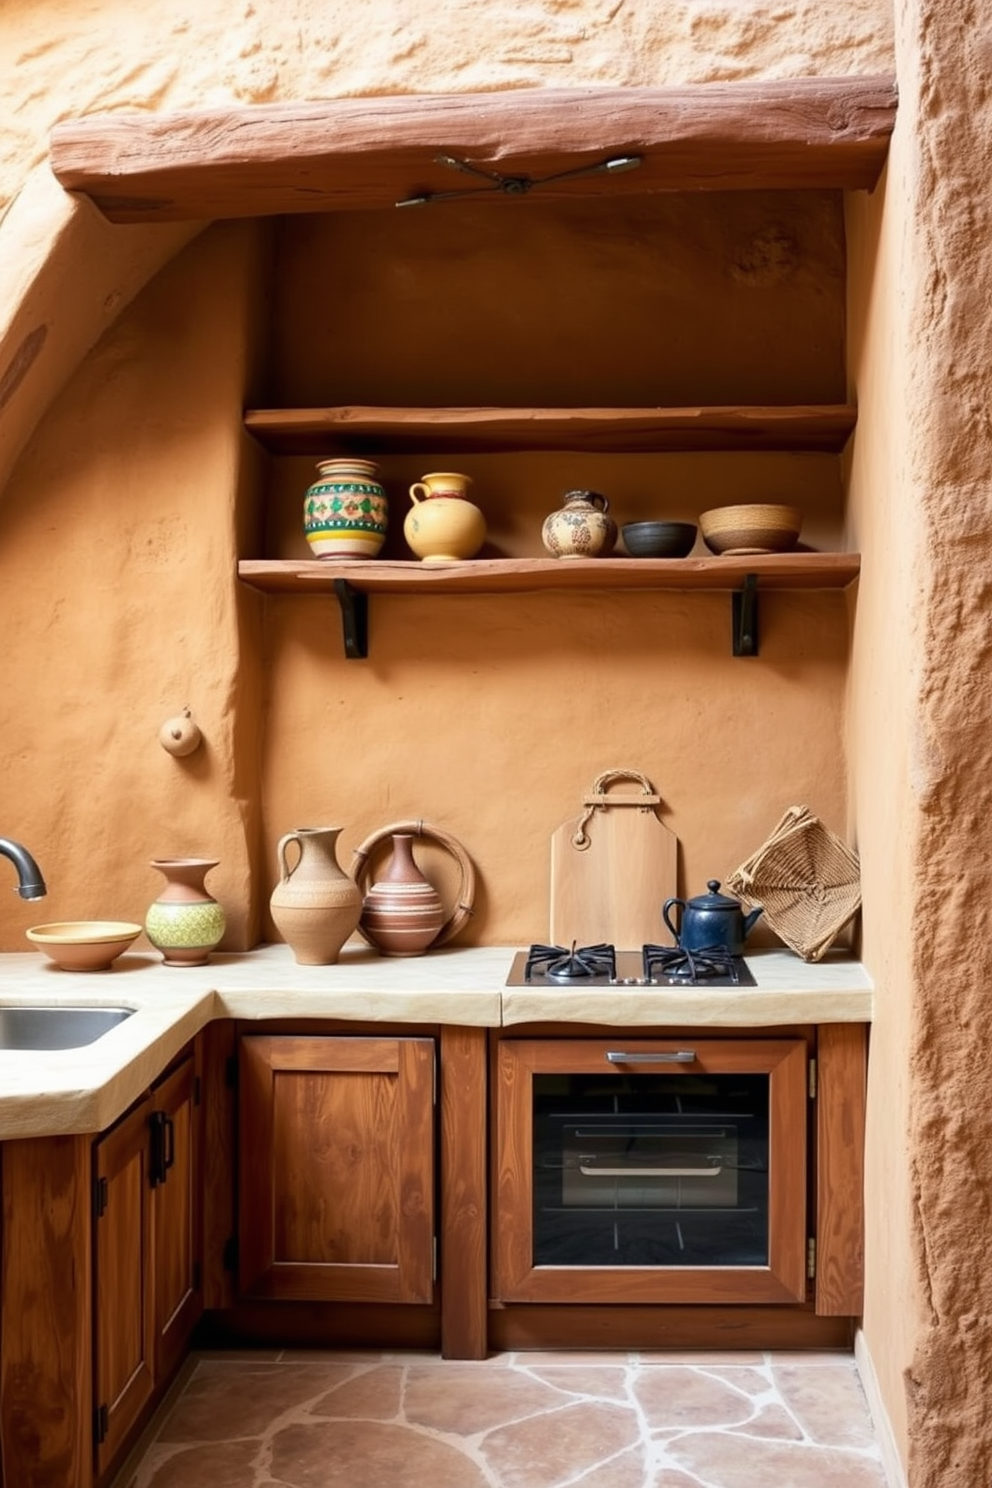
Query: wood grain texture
[[219, 1162], [336, 1165], [329, 431], [610, 889], [46, 1384], [123, 1298], [177, 1219], [842, 1072], [535, 1326], [366, 153], [539, 575], [463, 1193]]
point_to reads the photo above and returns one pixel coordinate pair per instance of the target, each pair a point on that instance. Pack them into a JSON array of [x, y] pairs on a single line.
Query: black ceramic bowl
[[659, 539]]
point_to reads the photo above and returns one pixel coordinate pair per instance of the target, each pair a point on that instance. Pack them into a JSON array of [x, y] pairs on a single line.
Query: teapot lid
[[714, 899]]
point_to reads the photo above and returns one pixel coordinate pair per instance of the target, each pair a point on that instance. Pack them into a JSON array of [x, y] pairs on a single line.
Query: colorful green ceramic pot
[[345, 511], [185, 922]]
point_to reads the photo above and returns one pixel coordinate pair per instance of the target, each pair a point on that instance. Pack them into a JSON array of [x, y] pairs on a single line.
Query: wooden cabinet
[[123, 1319], [336, 1168], [101, 1282], [146, 1253]]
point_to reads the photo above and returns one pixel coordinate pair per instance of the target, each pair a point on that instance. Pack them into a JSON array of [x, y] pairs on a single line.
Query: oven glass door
[[650, 1171]]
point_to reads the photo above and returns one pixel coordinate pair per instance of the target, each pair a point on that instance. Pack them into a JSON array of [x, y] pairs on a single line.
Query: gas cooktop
[[560, 968]]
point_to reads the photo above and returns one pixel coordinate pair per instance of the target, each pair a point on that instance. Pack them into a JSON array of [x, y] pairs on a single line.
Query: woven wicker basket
[[808, 881]]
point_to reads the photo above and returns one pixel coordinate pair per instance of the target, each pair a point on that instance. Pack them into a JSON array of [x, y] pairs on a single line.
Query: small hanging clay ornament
[[179, 736]]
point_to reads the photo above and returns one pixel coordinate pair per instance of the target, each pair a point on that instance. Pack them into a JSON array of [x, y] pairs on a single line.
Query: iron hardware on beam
[[744, 616], [354, 619]]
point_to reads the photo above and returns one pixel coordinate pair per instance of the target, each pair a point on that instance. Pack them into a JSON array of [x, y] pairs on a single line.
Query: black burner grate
[[580, 964]]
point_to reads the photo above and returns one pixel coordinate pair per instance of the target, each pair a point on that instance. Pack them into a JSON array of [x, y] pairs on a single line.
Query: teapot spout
[[751, 920]]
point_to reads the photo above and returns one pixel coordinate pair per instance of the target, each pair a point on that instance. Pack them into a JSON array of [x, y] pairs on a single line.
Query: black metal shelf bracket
[[744, 616], [354, 619]]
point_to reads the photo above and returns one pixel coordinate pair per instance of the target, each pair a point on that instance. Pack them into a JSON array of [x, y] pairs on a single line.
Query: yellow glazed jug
[[440, 483], [443, 529]]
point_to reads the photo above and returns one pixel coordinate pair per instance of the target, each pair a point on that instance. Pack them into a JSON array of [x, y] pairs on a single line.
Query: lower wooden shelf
[[528, 575], [742, 575]]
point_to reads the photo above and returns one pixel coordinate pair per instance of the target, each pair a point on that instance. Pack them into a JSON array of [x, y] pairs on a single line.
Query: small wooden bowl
[[751, 529], [659, 539], [84, 945]]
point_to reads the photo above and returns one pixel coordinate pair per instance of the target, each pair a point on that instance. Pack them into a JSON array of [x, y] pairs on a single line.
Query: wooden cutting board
[[613, 867]]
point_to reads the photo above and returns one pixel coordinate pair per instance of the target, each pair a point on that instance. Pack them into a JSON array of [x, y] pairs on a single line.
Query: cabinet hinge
[[229, 1260], [812, 1079], [231, 1072], [810, 1259], [101, 1424], [100, 1197], [434, 1262]]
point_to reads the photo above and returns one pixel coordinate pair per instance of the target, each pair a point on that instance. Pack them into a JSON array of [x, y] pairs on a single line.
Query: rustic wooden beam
[[368, 153]]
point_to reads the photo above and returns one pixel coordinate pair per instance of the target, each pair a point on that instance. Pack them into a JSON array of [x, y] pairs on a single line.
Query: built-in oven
[[651, 1170]]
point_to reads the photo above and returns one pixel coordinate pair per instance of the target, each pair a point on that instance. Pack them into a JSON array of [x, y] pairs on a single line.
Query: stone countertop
[[85, 1090]]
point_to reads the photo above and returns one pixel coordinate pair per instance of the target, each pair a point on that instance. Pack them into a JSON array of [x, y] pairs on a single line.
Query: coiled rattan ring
[[465, 898]]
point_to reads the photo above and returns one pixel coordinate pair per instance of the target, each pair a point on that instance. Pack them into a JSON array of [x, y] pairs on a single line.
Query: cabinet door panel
[[123, 1322], [336, 1168], [176, 1210]]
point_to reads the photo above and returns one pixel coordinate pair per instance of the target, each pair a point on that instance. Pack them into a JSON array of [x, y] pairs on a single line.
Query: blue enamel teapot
[[710, 921]]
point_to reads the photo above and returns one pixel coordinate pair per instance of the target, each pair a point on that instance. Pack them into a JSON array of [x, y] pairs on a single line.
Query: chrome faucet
[[30, 885]]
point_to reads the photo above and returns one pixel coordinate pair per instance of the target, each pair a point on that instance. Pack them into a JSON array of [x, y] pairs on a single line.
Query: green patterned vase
[[185, 922], [345, 511]]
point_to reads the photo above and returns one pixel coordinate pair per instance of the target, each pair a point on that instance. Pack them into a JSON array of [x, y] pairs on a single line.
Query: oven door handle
[[681, 1056], [595, 1172]]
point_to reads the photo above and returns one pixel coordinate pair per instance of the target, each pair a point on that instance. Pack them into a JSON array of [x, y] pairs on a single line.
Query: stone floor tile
[[553, 1449], [700, 1356], [755, 1382], [608, 1382], [446, 1397], [772, 1420], [215, 1465], [358, 1454], [374, 1395], [225, 1402], [721, 1460], [829, 1403], [337, 1419], [626, 1470], [689, 1399]]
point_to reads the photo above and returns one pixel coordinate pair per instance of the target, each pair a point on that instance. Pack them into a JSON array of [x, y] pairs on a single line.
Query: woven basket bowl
[[762, 528]]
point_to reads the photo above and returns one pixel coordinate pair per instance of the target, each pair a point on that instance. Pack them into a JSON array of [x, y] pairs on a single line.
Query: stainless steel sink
[[44, 1028]]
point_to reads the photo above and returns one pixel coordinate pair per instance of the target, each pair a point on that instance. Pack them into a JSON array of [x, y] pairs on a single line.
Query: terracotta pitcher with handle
[[315, 905]]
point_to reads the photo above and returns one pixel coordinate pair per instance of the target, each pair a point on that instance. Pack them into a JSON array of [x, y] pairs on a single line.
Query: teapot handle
[[669, 904]]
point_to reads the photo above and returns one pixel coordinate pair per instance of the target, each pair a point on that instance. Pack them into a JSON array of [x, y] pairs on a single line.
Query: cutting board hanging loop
[[598, 799], [612, 869]]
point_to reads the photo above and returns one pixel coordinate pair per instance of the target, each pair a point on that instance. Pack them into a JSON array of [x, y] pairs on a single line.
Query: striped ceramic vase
[[403, 912]]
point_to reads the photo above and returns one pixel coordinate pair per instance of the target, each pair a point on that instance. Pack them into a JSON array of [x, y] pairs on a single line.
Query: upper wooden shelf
[[367, 153], [322, 431], [798, 570]]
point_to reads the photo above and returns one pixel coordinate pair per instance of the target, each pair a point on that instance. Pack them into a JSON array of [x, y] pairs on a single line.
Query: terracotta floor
[[292, 1420]]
